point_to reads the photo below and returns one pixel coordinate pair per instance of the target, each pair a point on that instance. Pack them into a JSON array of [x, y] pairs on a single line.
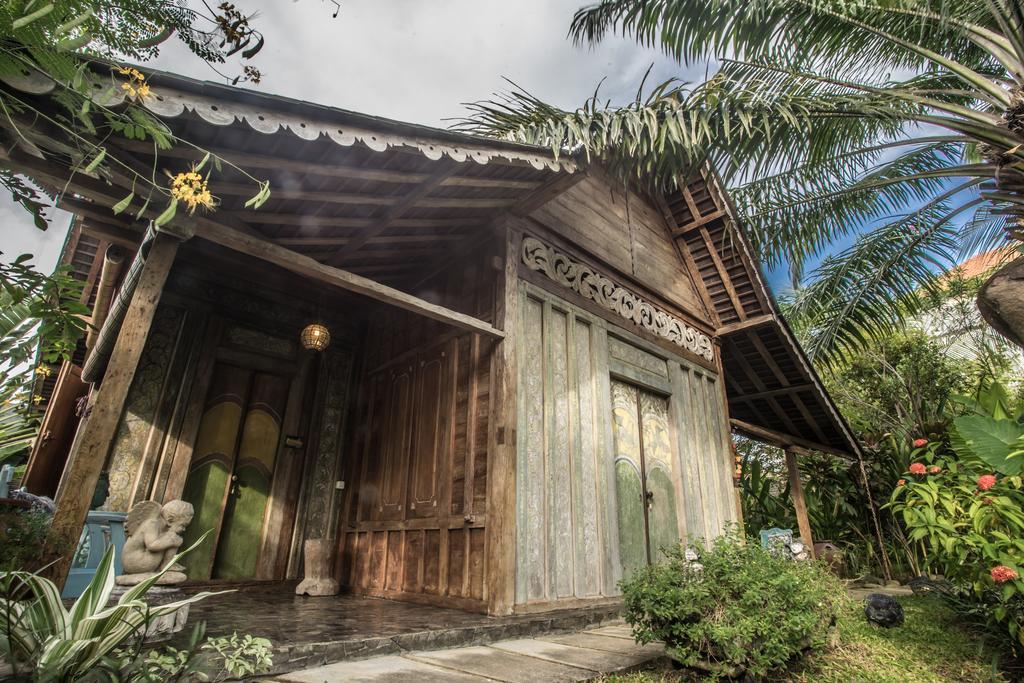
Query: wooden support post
[[796, 492], [89, 452], [501, 442]]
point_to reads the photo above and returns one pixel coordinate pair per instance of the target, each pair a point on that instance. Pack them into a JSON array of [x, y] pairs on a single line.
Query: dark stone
[[883, 610]]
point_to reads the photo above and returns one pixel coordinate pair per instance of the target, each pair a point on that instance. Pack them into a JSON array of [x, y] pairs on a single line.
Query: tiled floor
[[544, 659], [309, 632]]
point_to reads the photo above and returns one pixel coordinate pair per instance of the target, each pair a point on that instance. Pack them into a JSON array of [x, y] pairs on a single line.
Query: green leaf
[[167, 214], [97, 160], [990, 440], [123, 204]]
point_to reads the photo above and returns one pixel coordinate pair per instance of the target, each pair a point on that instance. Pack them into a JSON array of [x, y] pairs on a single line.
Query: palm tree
[[888, 134]]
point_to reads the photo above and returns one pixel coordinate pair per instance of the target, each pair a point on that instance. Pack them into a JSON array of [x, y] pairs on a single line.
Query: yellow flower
[[37, 399], [191, 189], [44, 371], [136, 86]]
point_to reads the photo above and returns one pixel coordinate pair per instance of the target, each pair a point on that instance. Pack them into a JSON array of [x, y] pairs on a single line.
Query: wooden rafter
[[723, 273], [399, 207], [303, 265], [327, 169]]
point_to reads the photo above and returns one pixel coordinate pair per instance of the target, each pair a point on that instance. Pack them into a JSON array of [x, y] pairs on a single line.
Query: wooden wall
[[624, 230], [414, 523], [567, 534]]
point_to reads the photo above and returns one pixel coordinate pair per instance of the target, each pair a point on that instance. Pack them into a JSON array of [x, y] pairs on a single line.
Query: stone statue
[[154, 536]]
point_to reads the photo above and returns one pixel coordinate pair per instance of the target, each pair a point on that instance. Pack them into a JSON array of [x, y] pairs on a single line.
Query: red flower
[[986, 481], [1002, 574], [917, 468], [901, 482], [934, 469], [920, 443]]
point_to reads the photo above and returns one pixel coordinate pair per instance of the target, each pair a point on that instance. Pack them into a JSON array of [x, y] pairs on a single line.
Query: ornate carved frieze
[[590, 284]]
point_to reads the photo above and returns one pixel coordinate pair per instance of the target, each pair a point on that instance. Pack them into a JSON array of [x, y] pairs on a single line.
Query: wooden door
[[232, 469], [644, 475]]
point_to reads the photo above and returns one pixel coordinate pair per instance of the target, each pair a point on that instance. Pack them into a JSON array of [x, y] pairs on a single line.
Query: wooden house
[[532, 375]]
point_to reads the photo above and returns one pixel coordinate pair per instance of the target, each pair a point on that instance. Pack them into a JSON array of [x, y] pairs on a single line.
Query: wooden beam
[[325, 170], [400, 207], [683, 251], [304, 221], [723, 273], [501, 441], [774, 392], [743, 325], [781, 439], [303, 265], [89, 451], [546, 192], [682, 230], [796, 492]]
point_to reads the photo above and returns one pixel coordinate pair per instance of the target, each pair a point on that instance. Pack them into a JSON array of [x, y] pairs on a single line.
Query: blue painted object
[[6, 474], [776, 538], [102, 529]]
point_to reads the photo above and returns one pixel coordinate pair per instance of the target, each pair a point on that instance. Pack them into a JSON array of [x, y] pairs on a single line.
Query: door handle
[[649, 497]]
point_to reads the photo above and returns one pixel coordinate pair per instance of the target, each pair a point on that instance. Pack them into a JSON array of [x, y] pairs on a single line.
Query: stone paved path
[[573, 657]]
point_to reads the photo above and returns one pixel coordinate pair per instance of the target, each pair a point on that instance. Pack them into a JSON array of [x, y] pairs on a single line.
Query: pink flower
[[901, 482], [1002, 574], [934, 469], [986, 481], [920, 443], [917, 468]]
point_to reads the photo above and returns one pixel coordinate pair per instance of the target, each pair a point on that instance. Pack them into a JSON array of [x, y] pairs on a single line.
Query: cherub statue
[[154, 536]]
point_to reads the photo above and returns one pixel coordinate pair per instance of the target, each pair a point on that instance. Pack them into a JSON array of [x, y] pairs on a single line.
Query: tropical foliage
[[965, 504], [884, 138], [94, 641], [41, 318], [732, 608]]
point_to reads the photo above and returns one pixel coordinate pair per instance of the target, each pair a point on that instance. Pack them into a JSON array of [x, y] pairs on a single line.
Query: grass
[[929, 647]]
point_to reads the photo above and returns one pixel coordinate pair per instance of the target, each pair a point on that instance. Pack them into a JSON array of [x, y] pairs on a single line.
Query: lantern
[[315, 337]]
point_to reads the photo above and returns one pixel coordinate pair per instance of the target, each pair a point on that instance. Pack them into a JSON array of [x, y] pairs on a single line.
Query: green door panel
[[205, 490], [661, 516], [240, 536], [632, 537]]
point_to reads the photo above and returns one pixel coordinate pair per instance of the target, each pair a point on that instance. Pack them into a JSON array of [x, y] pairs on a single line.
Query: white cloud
[[416, 61]]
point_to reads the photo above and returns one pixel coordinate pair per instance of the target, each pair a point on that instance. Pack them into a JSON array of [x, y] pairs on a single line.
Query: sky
[[410, 60]]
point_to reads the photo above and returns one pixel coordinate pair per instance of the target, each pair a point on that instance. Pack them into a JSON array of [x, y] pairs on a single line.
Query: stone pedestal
[[161, 628], [318, 580]]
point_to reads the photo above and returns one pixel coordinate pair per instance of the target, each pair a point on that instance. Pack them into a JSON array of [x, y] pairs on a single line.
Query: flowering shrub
[[971, 521], [736, 609]]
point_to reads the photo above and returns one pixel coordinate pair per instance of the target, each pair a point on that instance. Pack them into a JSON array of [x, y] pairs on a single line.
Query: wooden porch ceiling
[[378, 198], [773, 390]]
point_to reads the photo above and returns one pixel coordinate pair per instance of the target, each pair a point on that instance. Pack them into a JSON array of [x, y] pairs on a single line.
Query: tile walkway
[[573, 657]]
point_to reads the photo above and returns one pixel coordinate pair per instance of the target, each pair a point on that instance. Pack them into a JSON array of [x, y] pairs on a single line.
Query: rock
[[924, 585], [883, 610], [162, 627], [892, 583]]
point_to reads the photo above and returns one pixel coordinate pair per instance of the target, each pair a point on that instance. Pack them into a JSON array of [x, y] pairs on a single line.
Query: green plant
[[739, 610], [234, 656], [972, 524], [993, 433], [26, 542], [885, 136], [39, 634]]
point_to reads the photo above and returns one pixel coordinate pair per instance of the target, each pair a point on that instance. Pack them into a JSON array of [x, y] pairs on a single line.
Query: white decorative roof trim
[[590, 284], [169, 103]]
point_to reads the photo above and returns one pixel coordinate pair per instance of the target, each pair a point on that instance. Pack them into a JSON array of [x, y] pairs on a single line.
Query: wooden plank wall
[[626, 231], [414, 523], [567, 535]]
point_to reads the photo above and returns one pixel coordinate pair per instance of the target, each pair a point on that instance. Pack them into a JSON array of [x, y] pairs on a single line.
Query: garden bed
[[930, 647]]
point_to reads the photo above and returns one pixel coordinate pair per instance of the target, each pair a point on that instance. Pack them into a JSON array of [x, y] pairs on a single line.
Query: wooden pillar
[[796, 492], [89, 452], [501, 442]]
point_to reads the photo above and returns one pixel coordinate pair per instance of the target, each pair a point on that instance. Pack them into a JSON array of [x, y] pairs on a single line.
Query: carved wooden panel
[[594, 286]]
